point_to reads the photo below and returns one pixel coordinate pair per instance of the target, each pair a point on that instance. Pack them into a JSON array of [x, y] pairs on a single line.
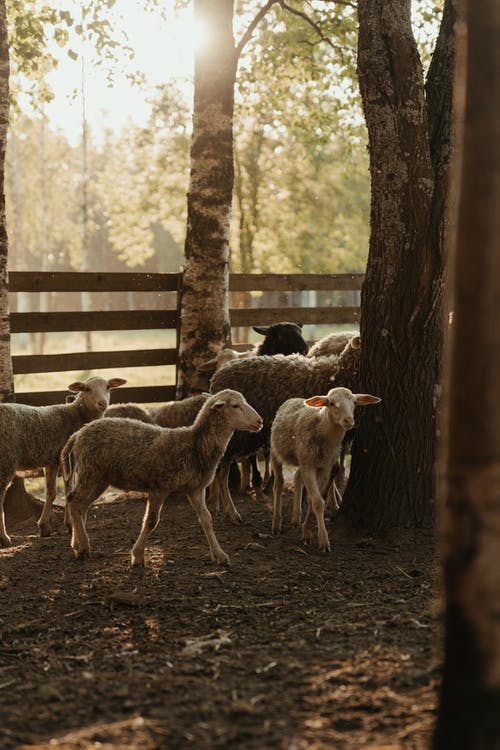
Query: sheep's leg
[[317, 505], [245, 475], [256, 475], [50, 494], [267, 467], [5, 540], [298, 488], [79, 501], [277, 469], [149, 523], [197, 500], [227, 500]]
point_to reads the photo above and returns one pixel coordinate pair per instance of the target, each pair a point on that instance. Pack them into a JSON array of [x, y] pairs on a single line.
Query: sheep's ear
[[78, 385], [363, 399], [218, 405], [116, 382], [299, 325], [356, 342], [207, 366], [261, 329], [316, 401]]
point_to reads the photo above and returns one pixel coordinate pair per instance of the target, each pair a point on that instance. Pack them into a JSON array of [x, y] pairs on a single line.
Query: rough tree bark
[[205, 308], [6, 377], [17, 500], [392, 477], [469, 715]]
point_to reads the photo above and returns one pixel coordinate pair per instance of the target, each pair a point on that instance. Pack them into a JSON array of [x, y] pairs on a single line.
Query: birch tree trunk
[[205, 308], [469, 715], [392, 474], [6, 377]]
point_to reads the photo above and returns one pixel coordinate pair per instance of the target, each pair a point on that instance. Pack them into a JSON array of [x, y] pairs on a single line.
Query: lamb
[[129, 411], [279, 338], [222, 357], [333, 343], [268, 381], [162, 461], [179, 413], [33, 436], [308, 434]]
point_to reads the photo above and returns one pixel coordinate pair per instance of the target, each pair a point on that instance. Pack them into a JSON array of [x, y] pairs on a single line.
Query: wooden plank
[[306, 315], [62, 281], [104, 320], [141, 395], [34, 363], [271, 282]]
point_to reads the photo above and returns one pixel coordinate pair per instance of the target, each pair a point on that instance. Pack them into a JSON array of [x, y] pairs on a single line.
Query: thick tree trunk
[[392, 476], [16, 496], [469, 715], [205, 308], [6, 377]]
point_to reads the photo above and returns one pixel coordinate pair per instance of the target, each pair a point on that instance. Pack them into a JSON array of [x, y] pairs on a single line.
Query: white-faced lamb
[[308, 434], [268, 381], [131, 455], [33, 436]]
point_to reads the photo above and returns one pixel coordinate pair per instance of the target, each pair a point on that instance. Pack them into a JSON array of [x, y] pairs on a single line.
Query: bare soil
[[288, 648]]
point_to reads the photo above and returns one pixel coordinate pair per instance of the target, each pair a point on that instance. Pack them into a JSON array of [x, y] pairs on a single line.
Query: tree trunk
[[392, 476], [16, 496], [205, 308], [469, 716], [6, 376]]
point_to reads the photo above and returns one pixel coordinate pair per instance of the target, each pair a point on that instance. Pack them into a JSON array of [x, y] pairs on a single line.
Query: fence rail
[[21, 282]]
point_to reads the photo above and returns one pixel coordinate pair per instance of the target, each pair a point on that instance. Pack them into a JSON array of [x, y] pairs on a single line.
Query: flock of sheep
[[294, 405]]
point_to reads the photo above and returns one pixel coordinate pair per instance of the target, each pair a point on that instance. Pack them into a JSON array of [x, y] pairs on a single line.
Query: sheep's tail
[[67, 463]]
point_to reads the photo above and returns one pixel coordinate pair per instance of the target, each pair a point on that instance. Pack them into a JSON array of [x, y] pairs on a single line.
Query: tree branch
[[248, 33], [308, 20]]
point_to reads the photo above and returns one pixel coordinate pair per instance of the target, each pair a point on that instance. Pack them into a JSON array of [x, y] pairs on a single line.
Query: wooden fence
[[169, 286]]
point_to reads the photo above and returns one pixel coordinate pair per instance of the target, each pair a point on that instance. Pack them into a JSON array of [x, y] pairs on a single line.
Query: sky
[[164, 51]]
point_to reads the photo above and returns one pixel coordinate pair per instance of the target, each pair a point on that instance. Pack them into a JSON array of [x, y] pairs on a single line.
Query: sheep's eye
[[235, 406]]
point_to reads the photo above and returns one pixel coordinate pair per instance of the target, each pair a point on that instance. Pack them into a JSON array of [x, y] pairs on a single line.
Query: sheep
[[333, 343], [268, 381], [222, 357], [129, 411], [179, 413], [33, 436], [131, 455], [308, 434], [281, 338]]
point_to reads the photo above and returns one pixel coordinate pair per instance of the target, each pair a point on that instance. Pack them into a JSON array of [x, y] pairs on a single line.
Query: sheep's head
[[94, 394], [282, 338], [340, 403]]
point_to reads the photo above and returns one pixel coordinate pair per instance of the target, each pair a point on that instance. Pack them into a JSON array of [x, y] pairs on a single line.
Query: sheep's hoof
[[235, 518], [222, 559], [277, 529], [324, 545], [5, 541], [44, 529], [81, 554], [138, 563]]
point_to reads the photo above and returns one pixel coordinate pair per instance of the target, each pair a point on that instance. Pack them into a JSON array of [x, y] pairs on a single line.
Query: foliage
[[302, 165]]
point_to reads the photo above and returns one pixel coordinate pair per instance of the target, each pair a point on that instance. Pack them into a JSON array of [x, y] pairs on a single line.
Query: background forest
[[115, 199]]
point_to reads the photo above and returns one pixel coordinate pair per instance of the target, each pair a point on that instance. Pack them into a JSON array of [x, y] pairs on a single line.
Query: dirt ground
[[288, 648]]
